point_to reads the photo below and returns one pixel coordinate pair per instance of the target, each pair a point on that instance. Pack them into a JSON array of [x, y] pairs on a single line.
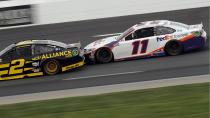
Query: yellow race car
[[39, 57]]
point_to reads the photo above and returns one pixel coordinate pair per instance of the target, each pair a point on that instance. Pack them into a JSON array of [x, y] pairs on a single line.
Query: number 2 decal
[[16, 67], [17, 64], [136, 46]]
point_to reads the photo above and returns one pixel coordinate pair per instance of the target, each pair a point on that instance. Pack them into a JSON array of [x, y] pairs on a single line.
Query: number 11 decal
[[136, 46]]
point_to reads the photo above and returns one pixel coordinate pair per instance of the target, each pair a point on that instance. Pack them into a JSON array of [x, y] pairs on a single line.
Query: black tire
[[173, 48], [51, 67], [103, 55]]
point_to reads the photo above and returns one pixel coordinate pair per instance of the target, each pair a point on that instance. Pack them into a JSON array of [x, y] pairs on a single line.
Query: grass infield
[[187, 101]]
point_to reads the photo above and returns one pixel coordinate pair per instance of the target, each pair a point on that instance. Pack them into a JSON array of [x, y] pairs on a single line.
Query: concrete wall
[[74, 10], [58, 11]]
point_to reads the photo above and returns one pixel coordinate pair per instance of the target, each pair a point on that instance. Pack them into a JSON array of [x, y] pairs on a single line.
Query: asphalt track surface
[[189, 64]]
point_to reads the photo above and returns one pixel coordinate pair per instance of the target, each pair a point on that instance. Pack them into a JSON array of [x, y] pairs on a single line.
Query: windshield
[[124, 34], [7, 49]]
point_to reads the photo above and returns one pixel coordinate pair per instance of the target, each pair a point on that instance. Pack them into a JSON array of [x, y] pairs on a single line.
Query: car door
[[138, 43]]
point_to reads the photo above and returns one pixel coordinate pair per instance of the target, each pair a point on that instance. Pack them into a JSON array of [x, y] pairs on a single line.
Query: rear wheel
[[51, 67], [174, 48], [104, 55]]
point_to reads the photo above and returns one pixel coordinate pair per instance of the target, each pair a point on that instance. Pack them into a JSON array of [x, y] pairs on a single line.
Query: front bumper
[[89, 58]]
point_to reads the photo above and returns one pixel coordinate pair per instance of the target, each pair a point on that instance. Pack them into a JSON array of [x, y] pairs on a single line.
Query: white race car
[[146, 39]]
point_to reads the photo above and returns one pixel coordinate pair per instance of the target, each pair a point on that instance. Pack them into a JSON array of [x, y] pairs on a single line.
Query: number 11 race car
[[38, 57], [146, 39]]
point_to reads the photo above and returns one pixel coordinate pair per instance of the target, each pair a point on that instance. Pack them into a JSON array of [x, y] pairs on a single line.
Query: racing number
[[16, 67], [136, 46]]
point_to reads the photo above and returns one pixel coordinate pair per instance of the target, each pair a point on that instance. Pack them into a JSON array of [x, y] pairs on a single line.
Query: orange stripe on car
[[187, 38]]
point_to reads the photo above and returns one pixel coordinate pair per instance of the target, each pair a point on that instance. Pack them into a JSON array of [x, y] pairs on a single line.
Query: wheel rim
[[51, 67], [104, 56], [174, 48]]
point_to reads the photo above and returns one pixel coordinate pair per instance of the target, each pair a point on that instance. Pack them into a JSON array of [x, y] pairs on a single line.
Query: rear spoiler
[[78, 45], [199, 26]]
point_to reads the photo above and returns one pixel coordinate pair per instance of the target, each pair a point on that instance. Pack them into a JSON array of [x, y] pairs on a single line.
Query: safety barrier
[[15, 13]]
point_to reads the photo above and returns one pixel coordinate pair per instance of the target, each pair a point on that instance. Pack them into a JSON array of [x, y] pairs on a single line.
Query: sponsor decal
[[165, 38], [35, 64], [36, 70], [17, 15], [55, 54], [69, 67], [75, 52], [197, 34]]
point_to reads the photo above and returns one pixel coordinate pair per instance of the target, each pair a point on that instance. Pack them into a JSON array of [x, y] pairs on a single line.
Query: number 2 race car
[[146, 39], [38, 57]]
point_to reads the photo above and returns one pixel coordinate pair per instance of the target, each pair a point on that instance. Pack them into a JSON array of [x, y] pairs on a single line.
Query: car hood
[[102, 42]]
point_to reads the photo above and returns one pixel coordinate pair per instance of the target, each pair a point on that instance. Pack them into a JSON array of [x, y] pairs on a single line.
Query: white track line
[[105, 75], [103, 89], [104, 35]]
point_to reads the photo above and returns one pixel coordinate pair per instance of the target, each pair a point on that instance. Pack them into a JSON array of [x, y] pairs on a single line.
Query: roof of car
[[152, 23], [29, 42], [47, 42], [159, 23]]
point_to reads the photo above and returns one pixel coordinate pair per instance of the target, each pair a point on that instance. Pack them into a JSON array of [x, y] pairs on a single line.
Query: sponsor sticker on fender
[[165, 38]]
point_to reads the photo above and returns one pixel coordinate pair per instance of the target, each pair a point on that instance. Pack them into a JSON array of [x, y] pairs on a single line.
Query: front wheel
[[104, 55], [51, 67], [173, 48]]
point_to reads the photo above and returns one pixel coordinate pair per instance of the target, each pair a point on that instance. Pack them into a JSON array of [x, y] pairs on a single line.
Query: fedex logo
[[165, 38]]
